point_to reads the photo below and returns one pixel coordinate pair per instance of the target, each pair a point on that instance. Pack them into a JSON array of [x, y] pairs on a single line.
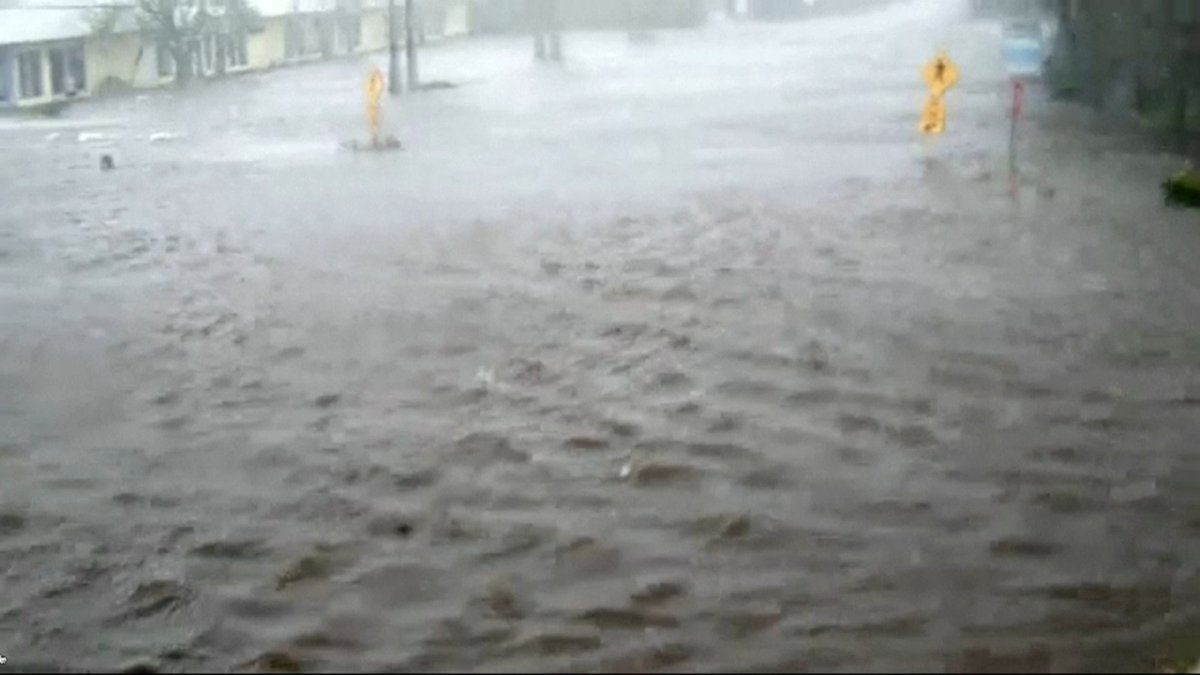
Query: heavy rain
[[515, 339]]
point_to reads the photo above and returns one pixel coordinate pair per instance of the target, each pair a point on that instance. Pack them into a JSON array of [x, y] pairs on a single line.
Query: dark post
[[555, 27], [410, 46], [393, 51], [544, 21], [535, 17]]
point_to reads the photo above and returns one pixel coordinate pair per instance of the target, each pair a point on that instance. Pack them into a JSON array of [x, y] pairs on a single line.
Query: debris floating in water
[[485, 377]]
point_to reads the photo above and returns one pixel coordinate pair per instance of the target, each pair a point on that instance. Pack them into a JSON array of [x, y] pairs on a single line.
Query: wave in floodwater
[[719, 439]]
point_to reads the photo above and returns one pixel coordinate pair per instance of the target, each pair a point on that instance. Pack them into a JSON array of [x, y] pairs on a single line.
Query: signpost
[[940, 75], [1017, 111]]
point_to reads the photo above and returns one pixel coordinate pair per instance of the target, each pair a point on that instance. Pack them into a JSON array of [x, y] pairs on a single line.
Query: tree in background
[[178, 26]]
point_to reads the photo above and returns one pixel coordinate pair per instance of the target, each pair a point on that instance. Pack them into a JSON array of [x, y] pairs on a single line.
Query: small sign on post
[[941, 75]]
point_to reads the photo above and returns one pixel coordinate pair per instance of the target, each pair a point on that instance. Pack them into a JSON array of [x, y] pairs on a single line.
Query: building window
[[326, 30], [352, 32], [76, 70], [29, 72], [68, 70], [293, 39], [6, 70], [220, 54], [235, 52], [312, 43], [208, 53], [58, 72], [166, 62], [195, 56], [203, 58]]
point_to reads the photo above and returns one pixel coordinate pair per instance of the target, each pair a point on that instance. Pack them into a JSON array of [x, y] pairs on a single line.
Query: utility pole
[[547, 35], [393, 52], [410, 46], [555, 33]]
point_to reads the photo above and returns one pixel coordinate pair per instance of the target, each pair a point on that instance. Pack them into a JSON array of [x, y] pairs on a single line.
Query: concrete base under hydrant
[[374, 145]]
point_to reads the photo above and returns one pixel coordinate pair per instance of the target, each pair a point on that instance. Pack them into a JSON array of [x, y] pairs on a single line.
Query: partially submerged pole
[[536, 19], [410, 46], [393, 52], [543, 19]]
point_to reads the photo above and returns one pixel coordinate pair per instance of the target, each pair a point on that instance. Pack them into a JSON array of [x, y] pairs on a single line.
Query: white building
[[42, 55], [49, 55]]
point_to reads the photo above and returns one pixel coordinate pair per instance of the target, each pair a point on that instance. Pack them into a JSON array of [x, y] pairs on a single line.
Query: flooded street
[[682, 356]]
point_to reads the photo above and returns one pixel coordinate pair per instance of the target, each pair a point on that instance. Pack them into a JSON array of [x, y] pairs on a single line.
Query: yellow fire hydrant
[[375, 86]]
